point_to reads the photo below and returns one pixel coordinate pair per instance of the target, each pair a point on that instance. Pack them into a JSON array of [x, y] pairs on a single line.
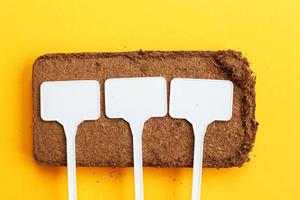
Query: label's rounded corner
[[228, 82], [97, 83], [43, 84]]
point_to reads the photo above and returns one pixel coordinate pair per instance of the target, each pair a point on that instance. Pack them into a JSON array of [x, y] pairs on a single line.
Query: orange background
[[267, 32]]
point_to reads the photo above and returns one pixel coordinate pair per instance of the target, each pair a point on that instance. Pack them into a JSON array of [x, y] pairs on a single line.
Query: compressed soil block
[[166, 142]]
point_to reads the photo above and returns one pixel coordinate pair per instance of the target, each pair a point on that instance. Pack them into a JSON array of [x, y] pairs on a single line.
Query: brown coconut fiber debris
[[167, 142]]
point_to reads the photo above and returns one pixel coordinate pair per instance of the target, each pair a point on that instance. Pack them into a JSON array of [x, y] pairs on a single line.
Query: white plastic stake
[[201, 102], [70, 103], [136, 100]]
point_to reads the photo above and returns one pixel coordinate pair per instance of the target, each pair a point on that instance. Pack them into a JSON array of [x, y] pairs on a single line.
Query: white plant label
[[136, 100], [200, 101], [70, 103]]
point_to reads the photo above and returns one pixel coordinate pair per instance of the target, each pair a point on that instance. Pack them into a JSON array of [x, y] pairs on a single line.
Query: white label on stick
[[200, 101], [136, 100], [70, 103]]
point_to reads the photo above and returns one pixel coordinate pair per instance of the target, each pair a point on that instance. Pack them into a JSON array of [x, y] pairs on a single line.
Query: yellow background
[[267, 32]]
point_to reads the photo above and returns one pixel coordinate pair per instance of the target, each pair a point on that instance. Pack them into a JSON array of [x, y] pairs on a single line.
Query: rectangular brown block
[[166, 142]]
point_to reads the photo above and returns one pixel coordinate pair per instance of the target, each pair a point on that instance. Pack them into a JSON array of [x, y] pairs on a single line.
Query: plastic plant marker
[[200, 101], [136, 100], [70, 103]]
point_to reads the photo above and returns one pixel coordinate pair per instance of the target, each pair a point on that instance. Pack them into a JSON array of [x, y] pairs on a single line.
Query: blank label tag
[[136, 100], [201, 102], [70, 103]]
